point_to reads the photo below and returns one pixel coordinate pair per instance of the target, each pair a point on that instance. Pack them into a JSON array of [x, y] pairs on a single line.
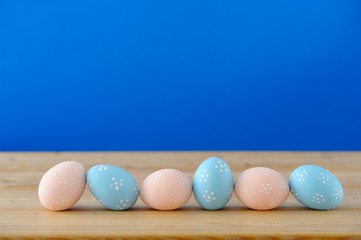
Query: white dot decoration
[[266, 188], [324, 178], [302, 175]]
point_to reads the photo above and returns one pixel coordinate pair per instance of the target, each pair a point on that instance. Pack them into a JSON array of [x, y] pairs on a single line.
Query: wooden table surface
[[22, 216]]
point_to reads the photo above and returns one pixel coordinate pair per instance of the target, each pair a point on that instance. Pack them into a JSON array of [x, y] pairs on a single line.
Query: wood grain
[[21, 215]]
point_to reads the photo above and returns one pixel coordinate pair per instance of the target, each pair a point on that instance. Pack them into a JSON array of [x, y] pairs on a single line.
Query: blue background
[[180, 75]]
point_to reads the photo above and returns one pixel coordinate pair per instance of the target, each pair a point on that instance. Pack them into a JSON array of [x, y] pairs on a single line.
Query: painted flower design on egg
[[337, 193], [324, 178], [62, 200], [302, 175], [116, 184], [203, 176], [221, 166], [264, 171], [123, 204], [209, 196], [102, 167], [65, 182], [274, 202], [265, 188], [175, 197], [318, 198]]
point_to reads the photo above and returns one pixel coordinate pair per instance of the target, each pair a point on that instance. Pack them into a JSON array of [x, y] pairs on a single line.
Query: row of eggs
[[258, 188]]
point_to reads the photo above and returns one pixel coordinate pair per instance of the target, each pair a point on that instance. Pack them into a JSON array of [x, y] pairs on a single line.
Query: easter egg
[[112, 186], [315, 187], [213, 183], [62, 186], [166, 189], [261, 188]]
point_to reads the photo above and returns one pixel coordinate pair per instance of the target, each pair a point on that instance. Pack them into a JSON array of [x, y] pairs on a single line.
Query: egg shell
[[261, 188], [62, 186], [166, 189], [213, 183], [315, 187], [112, 186]]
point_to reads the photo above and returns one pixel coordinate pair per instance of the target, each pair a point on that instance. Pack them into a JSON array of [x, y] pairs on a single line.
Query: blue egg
[[112, 186], [213, 183], [315, 187]]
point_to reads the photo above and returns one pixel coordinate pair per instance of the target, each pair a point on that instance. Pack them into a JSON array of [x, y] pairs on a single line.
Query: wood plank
[[22, 216]]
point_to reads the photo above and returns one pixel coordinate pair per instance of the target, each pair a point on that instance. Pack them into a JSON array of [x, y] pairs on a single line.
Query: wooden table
[[22, 216]]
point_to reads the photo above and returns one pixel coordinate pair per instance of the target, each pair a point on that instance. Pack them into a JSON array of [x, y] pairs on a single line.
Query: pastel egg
[[113, 187], [213, 183], [316, 188], [261, 188], [166, 189], [62, 186]]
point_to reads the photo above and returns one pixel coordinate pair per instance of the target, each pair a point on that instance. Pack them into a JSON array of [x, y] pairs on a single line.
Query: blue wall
[[180, 75]]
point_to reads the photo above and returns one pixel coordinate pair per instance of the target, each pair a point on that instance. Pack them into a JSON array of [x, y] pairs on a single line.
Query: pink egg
[[166, 189], [62, 186], [261, 188]]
